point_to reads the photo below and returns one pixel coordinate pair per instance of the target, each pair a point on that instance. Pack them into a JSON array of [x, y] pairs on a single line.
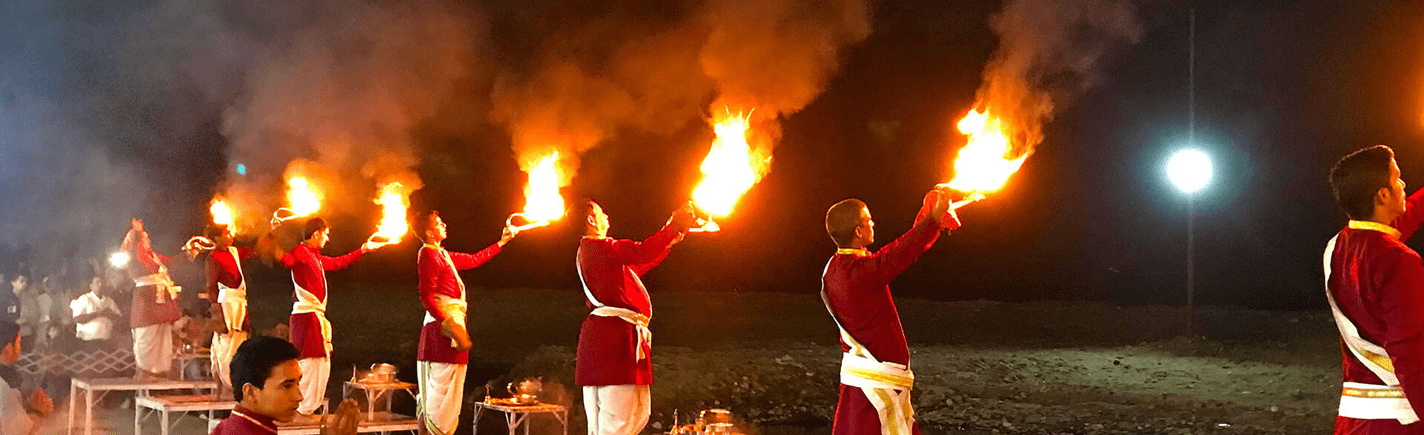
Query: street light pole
[[1191, 301]]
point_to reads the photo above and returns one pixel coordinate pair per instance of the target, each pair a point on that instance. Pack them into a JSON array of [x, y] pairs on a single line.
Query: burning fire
[[542, 203], [222, 214], [729, 169], [984, 164], [302, 199], [393, 206]]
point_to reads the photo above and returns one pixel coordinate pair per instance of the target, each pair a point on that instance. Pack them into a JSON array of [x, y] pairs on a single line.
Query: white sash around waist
[[309, 303], [234, 294], [639, 322], [1365, 401], [886, 384], [163, 285]]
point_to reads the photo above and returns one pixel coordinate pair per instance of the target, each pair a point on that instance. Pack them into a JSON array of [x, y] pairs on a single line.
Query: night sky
[[112, 109]]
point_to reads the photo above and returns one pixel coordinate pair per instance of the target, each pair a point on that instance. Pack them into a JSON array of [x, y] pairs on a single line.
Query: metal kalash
[[709, 422]]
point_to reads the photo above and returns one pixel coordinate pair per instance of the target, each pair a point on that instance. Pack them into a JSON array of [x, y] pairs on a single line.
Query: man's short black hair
[[578, 217], [254, 360], [313, 226], [214, 230], [9, 331], [842, 219], [1358, 177], [424, 222]]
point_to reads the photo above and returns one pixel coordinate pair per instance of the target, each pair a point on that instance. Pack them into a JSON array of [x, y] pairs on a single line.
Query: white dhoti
[[442, 391], [153, 347], [617, 409], [224, 347], [315, 373], [233, 302]]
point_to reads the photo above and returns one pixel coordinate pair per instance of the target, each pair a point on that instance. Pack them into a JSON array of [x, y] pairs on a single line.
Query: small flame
[[542, 202], [302, 198], [728, 170], [983, 164], [222, 214], [393, 207]]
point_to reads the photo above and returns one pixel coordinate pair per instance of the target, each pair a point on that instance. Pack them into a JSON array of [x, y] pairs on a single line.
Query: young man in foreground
[[267, 387]]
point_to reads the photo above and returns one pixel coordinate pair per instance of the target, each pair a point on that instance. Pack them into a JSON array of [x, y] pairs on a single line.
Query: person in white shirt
[[94, 315]]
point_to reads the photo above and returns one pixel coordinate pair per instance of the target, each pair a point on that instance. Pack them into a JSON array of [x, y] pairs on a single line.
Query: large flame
[[729, 169], [301, 198], [222, 214], [393, 204], [542, 202], [985, 163]]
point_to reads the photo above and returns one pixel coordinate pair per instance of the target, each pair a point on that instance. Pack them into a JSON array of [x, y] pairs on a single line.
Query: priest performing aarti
[[615, 345], [155, 304], [310, 331], [875, 376], [1375, 286], [227, 292], [444, 352]]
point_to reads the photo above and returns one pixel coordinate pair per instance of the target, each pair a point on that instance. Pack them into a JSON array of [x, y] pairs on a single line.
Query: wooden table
[[182, 404], [379, 422], [374, 391], [105, 385], [515, 415]]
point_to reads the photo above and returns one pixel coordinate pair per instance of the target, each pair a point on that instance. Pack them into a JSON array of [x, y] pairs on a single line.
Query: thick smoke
[[658, 69], [1049, 52], [345, 98]]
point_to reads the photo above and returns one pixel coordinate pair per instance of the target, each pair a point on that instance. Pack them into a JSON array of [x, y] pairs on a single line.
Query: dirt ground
[[981, 367]]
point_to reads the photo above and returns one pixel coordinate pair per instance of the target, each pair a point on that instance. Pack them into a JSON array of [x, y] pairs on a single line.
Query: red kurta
[[609, 268], [1378, 283], [438, 277], [858, 289], [149, 307], [223, 268], [246, 422], [309, 272]]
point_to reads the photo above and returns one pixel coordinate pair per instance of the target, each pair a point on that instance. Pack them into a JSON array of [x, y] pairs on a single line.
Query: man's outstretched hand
[[343, 422]]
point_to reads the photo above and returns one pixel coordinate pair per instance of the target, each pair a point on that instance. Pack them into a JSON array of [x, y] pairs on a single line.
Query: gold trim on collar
[[859, 252], [1375, 226], [432, 246], [254, 421]]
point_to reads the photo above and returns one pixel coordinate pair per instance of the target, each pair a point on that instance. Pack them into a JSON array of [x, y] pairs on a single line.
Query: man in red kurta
[[1375, 285], [155, 304], [227, 291], [444, 351], [268, 378], [875, 369], [615, 345], [309, 329]]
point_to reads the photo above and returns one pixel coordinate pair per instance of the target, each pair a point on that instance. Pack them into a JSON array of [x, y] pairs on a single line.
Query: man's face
[[20, 283], [225, 239], [318, 239], [598, 220], [1395, 199], [438, 231], [865, 231], [96, 285], [280, 393]]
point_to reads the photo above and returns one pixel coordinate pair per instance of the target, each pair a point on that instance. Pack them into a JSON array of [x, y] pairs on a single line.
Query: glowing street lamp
[[1190, 171]]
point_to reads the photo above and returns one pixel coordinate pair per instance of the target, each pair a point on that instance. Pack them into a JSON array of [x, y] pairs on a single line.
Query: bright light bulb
[[1189, 170], [119, 259]]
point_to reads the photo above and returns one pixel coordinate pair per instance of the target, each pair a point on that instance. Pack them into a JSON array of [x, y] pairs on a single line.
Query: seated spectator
[[94, 316], [19, 413]]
